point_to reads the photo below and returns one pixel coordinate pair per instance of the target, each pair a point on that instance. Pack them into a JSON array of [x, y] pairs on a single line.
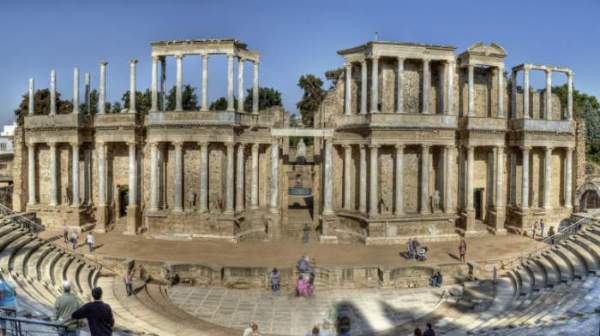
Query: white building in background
[[6, 139]]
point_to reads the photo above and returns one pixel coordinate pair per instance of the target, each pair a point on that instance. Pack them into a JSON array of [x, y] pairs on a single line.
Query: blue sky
[[293, 37]]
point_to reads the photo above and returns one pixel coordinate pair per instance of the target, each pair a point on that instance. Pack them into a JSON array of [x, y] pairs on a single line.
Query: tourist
[[303, 265], [462, 250], [128, 281], [98, 314], [436, 279], [533, 228], [74, 239], [66, 233], [409, 249], [315, 331], [429, 331], [542, 228], [251, 330], [65, 306], [343, 326], [302, 286], [306, 233], [89, 240], [551, 234], [275, 280], [418, 332], [494, 275]]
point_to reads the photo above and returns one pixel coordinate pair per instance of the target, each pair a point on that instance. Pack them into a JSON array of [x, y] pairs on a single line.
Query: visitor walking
[[462, 250], [429, 331], [74, 239], [275, 280], [551, 234], [409, 249], [306, 233], [542, 228], [98, 314], [494, 275], [89, 240], [65, 233], [418, 332], [65, 306], [533, 228], [128, 281]]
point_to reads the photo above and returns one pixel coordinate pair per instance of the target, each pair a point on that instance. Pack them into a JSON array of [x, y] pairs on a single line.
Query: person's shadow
[[454, 256]]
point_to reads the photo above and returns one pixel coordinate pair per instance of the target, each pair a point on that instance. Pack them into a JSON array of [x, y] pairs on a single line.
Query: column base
[[468, 221], [497, 220], [133, 220], [101, 219]]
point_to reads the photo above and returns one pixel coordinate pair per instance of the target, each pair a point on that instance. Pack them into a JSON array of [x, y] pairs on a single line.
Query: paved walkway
[[285, 314]]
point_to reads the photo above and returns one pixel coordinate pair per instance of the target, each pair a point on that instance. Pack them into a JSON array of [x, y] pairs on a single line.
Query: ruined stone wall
[[579, 155], [386, 179], [19, 171], [411, 179]]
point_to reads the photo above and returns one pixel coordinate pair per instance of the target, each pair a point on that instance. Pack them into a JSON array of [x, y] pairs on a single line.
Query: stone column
[[254, 177], [154, 86], [154, 176], [203, 197], [449, 155], [133, 189], [450, 90], [327, 180], [547, 177], [31, 174], [347, 177], [275, 176], [53, 175], [178, 83], [513, 95], [513, 179], [76, 90], [525, 183], [526, 92], [255, 97], [102, 89], [230, 102], [163, 83], [75, 174], [132, 88], [53, 92], [101, 147], [239, 176], [240, 107], [471, 91], [87, 158], [570, 95], [469, 191], [31, 101], [499, 153], [399, 200], [425, 208], [88, 91], [375, 84], [399, 83], [500, 92], [374, 180], [348, 90], [569, 178], [548, 109], [363, 87], [426, 85], [229, 181], [178, 199], [362, 196], [204, 105]]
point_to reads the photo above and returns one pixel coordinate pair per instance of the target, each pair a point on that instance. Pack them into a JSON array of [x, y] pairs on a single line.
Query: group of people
[[305, 285], [414, 250], [537, 229], [428, 332], [69, 310], [72, 238]]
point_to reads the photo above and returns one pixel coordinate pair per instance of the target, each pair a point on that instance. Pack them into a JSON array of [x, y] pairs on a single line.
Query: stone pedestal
[[468, 221], [133, 217], [497, 220], [328, 224], [101, 219]]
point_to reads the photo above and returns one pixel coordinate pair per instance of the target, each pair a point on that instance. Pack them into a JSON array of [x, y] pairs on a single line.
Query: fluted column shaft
[[239, 176], [525, 183], [362, 197], [88, 91], [426, 86], [499, 154], [230, 103], [348, 90], [31, 174], [31, 102], [153, 176], [87, 173], [526, 93], [101, 148], [327, 174], [255, 97], [374, 180], [347, 177], [375, 84], [471, 91], [569, 179], [204, 105], [132, 86], [76, 90], [75, 174], [179, 83], [399, 199], [548, 109], [363, 87], [52, 92], [133, 172], [240, 107], [203, 198], [449, 155], [254, 178], [425, 209], [275, 176], [470, 162], [547, 177], [154, 87], [102, 89], [229, 181], [399, 84], [178, 199], [500, 113]]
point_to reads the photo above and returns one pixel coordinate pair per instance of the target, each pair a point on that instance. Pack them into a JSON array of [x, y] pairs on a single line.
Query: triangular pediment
[[483, 49]]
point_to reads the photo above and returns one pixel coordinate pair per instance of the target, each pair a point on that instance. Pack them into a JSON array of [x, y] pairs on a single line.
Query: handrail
[[33, 321], [21, 220]]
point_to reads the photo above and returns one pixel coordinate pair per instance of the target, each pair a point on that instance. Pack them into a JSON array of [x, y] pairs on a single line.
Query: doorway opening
[[478, 203], [123, 200]]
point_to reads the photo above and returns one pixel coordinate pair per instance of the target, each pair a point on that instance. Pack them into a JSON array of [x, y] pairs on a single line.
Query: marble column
[[254, 177], [101, 148], [31, 101], [548, 105], [426, 85], [87, 173], [363, 87], [526, 93], [362, 196], [76, 90], [230, 102], [75, 175], [348, 90], [229, 180], [239, 177], [154, 87], [470, 173], [327, 180], [178, 197], [204, 99], [240, 107], [547, 177], [471, 90], [53, 175], [525, 183], [255, 97], [399, 195], [375, 84], [513, 179], [499, 154], [425, 155], [569, 178], [399, 86], [31, 186], [88, 91], [513, 95], [133, 174], [53, 92], [102, 89], [154, 176], [275, 176], [179, 83], [450, 89], [449, 155], [163, 83], [203, 197], [500, 113], [570, 95], [132, 87], [374, 181], [347, 177]]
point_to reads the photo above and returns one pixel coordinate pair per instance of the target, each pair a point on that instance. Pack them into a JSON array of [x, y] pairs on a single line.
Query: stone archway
[[588, 196]]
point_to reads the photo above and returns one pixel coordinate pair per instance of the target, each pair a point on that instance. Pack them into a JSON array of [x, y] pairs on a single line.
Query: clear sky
[[293, 37]]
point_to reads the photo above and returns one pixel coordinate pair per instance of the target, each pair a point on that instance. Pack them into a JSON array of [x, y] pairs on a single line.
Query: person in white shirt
[[89, 240]]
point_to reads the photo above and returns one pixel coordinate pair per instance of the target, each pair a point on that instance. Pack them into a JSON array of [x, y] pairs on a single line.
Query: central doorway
[[478, 203], [123, 201]]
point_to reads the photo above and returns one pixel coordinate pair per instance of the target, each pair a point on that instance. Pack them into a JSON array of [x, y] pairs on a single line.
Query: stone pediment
[[483, 49]]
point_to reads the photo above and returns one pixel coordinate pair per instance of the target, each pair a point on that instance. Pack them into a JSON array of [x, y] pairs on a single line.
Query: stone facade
[[412, 141]]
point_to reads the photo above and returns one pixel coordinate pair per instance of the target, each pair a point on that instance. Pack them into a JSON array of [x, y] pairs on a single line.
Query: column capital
[[133, 61], [548, 71], [570, 149], [30, 143], [346, 146], [426, 60], [241, 144], [374, 57], [205, 55], [425, 146], [178, 56], [229, 145], [373, 146], [75, 144], [178, 144], [525, 148], [203, 143], [52, 144], [399, 146], [363, 62], [548, 148], [155, 58], [400, 59], [348, 65], [103, 63], [450, 146], [131, 143], [255, 146]]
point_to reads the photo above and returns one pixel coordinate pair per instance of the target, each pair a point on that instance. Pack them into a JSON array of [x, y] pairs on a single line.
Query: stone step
[[15, 262], [573, 261], [590, 245], [565, 270], [525, 281], [583, 253], [536, 273], [552, 274]]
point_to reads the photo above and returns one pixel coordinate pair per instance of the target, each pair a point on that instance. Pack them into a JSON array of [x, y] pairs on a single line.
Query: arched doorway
[[588, 196]]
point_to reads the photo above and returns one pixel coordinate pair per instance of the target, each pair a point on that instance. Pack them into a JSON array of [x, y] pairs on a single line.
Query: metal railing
[[19, 326], [23, 221]]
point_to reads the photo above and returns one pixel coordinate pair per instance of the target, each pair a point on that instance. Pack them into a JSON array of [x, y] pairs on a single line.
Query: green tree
[[334, 75], [311, 99], [93, 103], [267, 97], [143, 101], [189, 100], [41, 104], [220, 104]]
